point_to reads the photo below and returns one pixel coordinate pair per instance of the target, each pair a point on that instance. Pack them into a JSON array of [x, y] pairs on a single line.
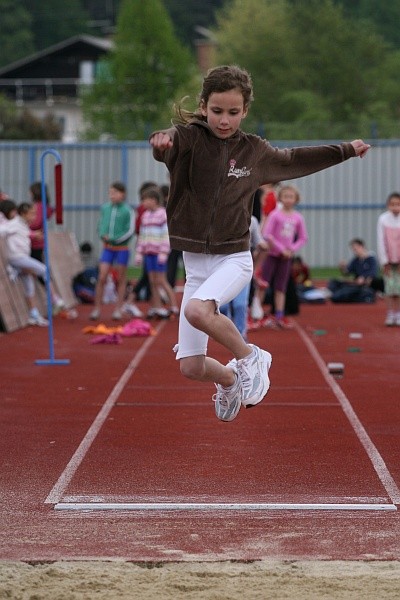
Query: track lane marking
[[215, 506], [388, 482], [375, 457], [63, 481]]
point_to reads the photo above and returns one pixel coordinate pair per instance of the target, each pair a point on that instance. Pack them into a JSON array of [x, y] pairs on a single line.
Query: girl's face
[[394, 205], [150, 203], [224, 112], [288, 198]]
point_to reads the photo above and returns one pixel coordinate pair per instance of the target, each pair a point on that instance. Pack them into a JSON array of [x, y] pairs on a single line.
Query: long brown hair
[[219, 79]]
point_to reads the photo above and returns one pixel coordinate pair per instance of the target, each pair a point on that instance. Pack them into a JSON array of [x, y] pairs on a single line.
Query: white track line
[[213, 506], [376, 459], [57, 492]]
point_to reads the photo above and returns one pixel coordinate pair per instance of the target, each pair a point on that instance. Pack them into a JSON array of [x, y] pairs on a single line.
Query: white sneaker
[[390, 319], [228, 400], [58, 305], [132, 310], [12, 273], [116, 316], [158, 313], [94, 315], [253, 373], [162, 313], [38, 320], [256, 310]]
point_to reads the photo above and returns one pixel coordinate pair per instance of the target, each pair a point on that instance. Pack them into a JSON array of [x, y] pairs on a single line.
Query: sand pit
[[263, 580]]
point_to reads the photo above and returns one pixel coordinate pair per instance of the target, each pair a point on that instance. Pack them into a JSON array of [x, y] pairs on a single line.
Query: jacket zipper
[[217, 192]]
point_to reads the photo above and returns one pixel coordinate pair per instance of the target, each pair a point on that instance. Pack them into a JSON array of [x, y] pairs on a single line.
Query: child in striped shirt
[[153, 247]]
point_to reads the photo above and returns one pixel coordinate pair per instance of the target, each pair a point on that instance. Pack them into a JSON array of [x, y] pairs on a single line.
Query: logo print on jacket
[[238, 173]]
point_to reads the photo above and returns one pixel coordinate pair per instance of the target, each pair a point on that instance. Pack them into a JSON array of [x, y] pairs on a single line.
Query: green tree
[[15, 31], [312, 68], [336, 57], [55, 20], [263, 46], [140, 79], [384, 14]]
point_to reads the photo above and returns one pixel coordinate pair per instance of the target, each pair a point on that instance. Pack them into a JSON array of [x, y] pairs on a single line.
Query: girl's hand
[[161, 141], [360, 147], [287, 254]]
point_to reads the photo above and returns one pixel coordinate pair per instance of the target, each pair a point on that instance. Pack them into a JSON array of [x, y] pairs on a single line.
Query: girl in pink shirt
[[285, 231], [389, 256]]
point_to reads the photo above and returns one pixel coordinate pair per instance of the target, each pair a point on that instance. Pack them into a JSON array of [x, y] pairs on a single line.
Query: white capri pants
[[218, 277], [27, 263]]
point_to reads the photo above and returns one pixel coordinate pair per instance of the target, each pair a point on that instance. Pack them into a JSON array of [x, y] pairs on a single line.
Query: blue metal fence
[[338, 204]]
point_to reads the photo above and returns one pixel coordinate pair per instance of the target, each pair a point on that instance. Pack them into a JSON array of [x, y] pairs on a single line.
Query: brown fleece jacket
[[213, 182]]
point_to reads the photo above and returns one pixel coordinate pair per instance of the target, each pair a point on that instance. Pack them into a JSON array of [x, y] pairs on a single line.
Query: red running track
[[117, 456]]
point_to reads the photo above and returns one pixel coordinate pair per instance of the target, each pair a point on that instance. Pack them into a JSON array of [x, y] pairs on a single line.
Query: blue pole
[[51, 360], [124, 161]]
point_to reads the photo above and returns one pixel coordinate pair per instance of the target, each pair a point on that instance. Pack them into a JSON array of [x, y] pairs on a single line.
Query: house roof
[[86, 45]]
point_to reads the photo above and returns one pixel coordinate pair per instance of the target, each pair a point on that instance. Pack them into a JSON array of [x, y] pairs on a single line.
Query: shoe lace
[[220, 396], [244, 374]]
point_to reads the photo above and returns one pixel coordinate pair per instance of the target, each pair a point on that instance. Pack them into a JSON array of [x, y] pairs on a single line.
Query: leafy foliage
[[15, 31], [321, 68], [141, 76], [16, 124], [52, 21], [312, 67]]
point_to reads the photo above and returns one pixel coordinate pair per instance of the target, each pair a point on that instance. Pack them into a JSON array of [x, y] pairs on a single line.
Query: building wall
[[338, 204]]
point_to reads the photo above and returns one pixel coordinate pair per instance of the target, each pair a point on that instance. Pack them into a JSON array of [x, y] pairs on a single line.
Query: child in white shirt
[[15, 229]]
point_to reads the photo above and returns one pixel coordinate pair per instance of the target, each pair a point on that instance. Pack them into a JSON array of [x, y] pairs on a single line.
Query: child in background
[[300, 272], [215, 169], [389, 256], [363, 268], [16, 230], [237, 310], [36, 226], [116, 228], [269, 201], [153, 248], [285, 231], [139, 290]]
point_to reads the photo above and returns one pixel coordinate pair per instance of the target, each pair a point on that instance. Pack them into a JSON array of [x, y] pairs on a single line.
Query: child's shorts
[[118, 256], [151, 264], [392, 281], [218, 277]]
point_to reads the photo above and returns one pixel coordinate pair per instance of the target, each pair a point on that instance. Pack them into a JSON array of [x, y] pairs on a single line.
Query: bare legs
[[203, 316]]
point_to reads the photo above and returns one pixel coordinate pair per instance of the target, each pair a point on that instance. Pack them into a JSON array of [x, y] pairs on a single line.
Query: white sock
[[233, 384]]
